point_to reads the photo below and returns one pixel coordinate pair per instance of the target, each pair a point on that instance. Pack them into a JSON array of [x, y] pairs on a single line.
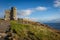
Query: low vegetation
[[32, 32]]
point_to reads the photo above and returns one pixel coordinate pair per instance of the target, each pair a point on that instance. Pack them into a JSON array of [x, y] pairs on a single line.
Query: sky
[[35, 10]]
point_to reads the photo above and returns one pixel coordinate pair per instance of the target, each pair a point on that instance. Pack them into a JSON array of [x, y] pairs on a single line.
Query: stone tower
[[11, 14], [7, 14]]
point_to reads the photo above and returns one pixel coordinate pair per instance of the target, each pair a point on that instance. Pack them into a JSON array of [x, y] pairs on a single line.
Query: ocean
[[54, 25]]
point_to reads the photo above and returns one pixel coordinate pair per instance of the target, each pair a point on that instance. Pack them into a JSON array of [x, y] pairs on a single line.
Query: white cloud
[[28, 12], [49, 18], [57, 3], [25, 12], [41, 8]]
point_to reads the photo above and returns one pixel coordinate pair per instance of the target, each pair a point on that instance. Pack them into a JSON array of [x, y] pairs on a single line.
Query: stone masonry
[[11, 14]]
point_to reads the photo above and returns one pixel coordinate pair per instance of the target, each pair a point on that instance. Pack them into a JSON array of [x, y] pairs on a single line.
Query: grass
[[32, 32]]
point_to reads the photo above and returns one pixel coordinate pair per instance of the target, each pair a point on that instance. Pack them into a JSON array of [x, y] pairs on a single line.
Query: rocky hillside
[[27, 30]]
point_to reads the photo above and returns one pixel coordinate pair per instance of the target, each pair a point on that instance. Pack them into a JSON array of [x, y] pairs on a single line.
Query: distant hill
[[29, 30]]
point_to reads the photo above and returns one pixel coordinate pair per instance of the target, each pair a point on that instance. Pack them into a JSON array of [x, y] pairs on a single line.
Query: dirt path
[[4, 26]]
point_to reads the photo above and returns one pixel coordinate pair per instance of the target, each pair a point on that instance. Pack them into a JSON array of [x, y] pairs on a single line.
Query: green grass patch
[[32, 32]]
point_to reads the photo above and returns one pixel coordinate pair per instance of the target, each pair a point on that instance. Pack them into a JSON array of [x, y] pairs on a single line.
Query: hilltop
[[29, 30]]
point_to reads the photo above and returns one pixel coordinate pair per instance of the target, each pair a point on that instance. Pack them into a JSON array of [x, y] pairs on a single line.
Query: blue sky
[[36, 10]]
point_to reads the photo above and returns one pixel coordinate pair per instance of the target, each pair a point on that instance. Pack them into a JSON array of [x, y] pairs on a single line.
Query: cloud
[[49, 18], [28, 12], [57, 3], [40, 8], [25, 12]]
